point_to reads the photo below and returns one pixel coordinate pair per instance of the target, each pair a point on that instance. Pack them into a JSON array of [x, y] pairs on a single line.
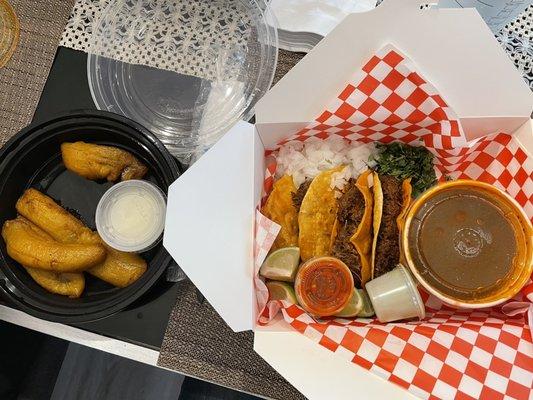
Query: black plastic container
[[32, 158]]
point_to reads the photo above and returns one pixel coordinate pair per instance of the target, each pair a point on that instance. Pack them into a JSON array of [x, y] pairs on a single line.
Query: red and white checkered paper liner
[[451, 354]]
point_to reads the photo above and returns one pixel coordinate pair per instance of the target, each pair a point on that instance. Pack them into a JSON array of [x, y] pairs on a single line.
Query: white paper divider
[[273, 133], [477, 127], [524, 135]]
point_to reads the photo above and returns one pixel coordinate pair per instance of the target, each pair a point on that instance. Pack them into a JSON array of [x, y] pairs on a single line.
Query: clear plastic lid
[[185, 69], [131, 216]]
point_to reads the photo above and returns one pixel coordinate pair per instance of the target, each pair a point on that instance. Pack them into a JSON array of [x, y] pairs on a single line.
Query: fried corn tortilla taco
[[280, 209], [317, 216], [298, 196], [351, 238], [391, 201]]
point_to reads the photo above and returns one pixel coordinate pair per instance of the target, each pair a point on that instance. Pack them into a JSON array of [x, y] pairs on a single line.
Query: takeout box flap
[[453, 48], [317, 372], [209, 224]]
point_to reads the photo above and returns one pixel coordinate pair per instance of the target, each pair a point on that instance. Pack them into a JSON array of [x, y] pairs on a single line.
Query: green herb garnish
[[403, 161]]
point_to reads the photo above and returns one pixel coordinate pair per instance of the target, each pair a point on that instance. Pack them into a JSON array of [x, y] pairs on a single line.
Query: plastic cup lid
[[130, 216], [415, 294], [188, 69]]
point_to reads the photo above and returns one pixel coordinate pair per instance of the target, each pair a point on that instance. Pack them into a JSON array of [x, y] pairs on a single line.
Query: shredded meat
[[298, 196], [349, 215], [388, 244]]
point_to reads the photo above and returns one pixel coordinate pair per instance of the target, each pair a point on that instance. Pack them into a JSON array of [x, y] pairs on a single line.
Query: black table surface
[[144, 322]]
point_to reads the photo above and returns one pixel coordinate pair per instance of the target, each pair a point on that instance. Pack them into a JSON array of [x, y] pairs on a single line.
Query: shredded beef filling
[[349, 214], [388, 246], [298, 196]]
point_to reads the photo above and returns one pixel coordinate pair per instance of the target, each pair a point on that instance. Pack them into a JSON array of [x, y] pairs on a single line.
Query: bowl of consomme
[[468, 243]]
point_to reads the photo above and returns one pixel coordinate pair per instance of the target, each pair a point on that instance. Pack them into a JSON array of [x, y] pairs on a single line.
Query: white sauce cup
[[130, 216], [394, 296]]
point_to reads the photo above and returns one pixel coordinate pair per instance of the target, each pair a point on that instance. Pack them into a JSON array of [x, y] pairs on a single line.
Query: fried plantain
[[93, 161], [44, 212], [69, 284], [119, 268], [32, 247]]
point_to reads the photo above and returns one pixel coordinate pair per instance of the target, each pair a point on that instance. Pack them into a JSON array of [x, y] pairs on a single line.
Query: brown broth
[[465, 243]]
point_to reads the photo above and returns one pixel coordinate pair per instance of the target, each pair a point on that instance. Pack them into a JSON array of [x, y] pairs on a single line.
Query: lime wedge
[[367, 310], [281, 265], [354, 306], [281, 291]]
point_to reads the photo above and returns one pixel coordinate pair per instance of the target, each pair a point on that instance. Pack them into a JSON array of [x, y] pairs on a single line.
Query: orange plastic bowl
[[442, 255]]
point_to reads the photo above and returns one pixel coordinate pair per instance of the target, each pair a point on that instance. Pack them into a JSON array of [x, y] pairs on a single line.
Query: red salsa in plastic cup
[[323, 286]]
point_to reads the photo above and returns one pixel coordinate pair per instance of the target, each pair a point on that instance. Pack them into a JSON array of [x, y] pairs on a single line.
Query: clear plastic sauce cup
[[130, 216], [394, 296]]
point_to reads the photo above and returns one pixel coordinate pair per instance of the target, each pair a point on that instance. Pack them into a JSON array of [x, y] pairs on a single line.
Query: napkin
[[303, 23]]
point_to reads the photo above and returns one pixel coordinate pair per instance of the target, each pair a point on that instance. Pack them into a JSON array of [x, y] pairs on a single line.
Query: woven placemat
[[198, 342], [9, 31], [22, 79], [286, 60]]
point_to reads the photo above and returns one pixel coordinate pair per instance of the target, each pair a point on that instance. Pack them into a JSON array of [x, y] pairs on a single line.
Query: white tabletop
[[71, 334]]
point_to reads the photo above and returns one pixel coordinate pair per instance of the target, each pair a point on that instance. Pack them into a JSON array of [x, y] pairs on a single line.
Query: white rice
[[306, 160]]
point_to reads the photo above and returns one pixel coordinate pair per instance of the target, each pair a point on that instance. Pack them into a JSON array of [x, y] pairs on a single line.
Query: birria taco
[[317, 215], [351, 238], [279, 208], [391, 201]]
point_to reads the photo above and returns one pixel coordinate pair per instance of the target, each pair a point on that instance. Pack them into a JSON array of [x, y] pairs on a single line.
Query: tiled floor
[[87, 374], [38, 367]]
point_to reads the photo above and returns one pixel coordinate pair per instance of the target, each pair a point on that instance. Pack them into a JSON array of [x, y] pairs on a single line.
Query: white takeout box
[[211, 207]]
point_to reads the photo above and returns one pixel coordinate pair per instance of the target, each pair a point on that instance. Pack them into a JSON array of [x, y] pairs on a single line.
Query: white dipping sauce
[[131, 215]]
